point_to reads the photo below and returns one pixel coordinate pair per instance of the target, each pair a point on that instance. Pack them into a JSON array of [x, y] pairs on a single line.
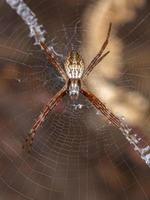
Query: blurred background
[[76, 154]]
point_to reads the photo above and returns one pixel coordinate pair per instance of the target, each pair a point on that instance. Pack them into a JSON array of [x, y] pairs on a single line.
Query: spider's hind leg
[[40, 120]]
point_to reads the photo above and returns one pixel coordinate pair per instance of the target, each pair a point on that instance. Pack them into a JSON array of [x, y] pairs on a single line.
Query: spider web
[[76, 153]]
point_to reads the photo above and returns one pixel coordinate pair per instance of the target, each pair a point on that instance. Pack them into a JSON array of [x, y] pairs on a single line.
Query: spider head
[[74, 65]]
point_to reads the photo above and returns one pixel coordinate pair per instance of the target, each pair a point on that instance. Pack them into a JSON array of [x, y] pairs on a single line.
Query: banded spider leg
[[99, 57], [50, 105], [52, 58], [102, 107], [140, 142]]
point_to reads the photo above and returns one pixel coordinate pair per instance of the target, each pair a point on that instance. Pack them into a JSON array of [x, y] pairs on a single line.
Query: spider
[[74, 75]]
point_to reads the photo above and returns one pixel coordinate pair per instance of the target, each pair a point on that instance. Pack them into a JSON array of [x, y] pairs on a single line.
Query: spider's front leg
[[52, 58], [100, 56], [50, 105]]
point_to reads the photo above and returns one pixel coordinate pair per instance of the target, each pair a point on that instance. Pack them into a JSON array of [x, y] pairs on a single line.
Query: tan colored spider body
[[75, 72], [74, 67]]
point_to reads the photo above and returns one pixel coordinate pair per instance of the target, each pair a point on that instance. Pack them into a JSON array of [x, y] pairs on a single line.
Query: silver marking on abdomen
[[74, 89]]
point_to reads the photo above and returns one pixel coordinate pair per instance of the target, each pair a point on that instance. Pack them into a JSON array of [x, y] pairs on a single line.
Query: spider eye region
[[74, 65], [74, 89]]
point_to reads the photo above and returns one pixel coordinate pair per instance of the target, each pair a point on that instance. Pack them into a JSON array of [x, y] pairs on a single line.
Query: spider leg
[[139, 141], [52, 58], [96, 63], [102, 107], [41, 118], [99, 57]]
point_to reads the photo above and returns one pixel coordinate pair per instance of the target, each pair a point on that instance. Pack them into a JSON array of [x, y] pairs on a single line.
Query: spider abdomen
[[74, 71], [74, 65]]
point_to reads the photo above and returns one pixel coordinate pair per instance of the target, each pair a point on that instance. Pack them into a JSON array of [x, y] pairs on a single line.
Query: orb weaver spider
[[75, 72]]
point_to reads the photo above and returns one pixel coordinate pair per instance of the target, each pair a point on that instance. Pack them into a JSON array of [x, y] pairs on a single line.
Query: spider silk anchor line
[[29, 18], [31, 21], [137, 141]]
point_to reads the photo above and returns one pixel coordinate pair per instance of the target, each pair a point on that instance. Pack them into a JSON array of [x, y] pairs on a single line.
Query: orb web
[[76, 154]]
